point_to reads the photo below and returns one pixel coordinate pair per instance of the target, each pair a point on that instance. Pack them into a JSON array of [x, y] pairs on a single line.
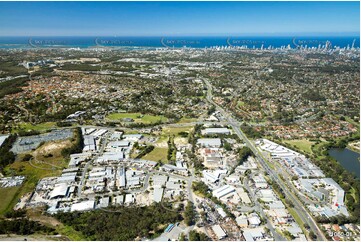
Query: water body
[[179, 41], [349, 159]]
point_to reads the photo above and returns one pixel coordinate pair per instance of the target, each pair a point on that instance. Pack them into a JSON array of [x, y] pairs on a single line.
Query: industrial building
[[217, 229], [223, 191], [158, 194], [212, 131], [83, 206], [209, 143]]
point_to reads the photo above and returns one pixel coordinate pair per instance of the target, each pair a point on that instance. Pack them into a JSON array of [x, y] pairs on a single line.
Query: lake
[[348, 159]]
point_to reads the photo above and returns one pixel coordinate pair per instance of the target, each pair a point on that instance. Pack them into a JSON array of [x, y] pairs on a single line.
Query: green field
[[32, 175], [175, 130], [169, 131], [7, 195], [138, 117], [302, 144], [157, 154], [37, 127], [33, 172], [187, 120]]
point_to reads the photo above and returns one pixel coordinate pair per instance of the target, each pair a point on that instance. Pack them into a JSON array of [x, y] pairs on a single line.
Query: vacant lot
[[37, 127], [137, 117], [157, 154], [6, 197], [302, 144], [175, 130], [187, 120]]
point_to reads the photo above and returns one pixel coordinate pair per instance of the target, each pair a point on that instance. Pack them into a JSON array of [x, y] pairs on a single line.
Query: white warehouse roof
[[209, 142], [83, 206], [222, 191], [216, 131], [60, 190]]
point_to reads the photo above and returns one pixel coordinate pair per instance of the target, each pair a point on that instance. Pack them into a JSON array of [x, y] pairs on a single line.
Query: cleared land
[[37, 127], [64, 230], [6, 197], [187, 120], [157, 154], [169, 131], [302, 144], [137, 117], [175, 130]]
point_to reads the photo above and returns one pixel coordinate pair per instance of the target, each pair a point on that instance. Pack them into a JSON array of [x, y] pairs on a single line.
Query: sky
[[178, 18]]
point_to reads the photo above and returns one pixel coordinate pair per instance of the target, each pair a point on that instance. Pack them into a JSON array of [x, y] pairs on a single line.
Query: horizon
[[286, 35]]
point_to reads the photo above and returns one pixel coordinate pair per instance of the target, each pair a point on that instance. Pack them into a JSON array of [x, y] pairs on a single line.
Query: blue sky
[[177, 18]]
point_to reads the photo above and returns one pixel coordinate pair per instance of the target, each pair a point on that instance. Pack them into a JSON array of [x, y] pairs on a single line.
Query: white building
[[217, 229], [83, 206], [209, 143], [211, 131], [223, 191], [158, 194]]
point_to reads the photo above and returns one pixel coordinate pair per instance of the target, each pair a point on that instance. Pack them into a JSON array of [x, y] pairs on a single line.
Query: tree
[[312, 235], [189, 214], [227, 146], [197, 236]]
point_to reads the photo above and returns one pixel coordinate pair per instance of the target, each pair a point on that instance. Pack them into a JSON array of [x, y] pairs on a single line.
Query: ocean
[[178, 42]]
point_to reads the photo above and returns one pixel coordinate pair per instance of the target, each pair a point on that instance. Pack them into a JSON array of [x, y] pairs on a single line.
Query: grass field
[[32, 175], [175, 130], [157, 154], [6, 197], [35, 171], [302, 144], [168, 131], [187, 120], [38, 127], [138, 117]]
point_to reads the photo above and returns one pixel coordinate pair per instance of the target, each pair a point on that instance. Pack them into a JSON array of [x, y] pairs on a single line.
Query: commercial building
[[76, 159], [223, 191], [217, 229], [111, 156], [121, 177], [83, 206], [118, 144], [60, 190], [211, 131], [209, 143], [89, 143], [132, 137], [158, 194]]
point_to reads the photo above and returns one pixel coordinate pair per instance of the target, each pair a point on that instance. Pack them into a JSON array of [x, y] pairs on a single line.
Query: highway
[[298, 206]]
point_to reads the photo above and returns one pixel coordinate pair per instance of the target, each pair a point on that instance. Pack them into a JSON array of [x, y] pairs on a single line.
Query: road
[[100, 152], [298, 206], [259, 209]]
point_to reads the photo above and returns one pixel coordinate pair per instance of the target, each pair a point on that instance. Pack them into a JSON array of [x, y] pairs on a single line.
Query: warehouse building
[[217, 229], [83, 206], [223, 191], [60, 190], [211, 131], [209, 143], [158, 194]]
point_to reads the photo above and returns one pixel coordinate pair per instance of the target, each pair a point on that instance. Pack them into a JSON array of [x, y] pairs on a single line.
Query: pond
[[349, 159]]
